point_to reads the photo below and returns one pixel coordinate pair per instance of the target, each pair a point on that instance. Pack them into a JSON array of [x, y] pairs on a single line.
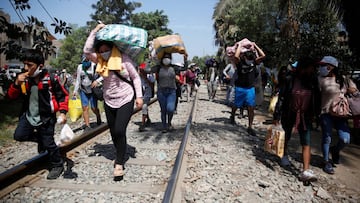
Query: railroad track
[[153, 166], [220, 163]]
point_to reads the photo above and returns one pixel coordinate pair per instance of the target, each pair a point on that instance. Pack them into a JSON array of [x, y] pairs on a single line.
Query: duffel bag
[[130, 40], [168, 44]]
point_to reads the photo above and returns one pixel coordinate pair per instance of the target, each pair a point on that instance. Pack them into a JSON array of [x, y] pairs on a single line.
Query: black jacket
[[282, 108]]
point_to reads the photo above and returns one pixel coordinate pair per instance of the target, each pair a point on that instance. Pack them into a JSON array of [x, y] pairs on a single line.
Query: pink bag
[[240, 47], [340, 107]]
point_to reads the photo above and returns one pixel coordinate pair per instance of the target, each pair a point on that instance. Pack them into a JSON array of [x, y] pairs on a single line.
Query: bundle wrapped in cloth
[[129, 40], [240, 47], [168, 44]]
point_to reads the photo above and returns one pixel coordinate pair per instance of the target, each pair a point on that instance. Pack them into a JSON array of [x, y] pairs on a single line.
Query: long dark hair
[[304, 63], [99, 43]]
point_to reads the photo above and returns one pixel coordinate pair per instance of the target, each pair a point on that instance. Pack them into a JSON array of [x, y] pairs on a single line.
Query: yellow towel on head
[[114, 62]]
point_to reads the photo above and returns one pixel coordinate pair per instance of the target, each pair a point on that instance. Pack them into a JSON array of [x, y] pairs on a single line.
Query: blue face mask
[[86, 64], [323, 71]]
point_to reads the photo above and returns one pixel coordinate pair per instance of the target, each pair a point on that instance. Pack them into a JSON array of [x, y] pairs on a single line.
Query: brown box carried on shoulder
[[275, 140], [169, 44]]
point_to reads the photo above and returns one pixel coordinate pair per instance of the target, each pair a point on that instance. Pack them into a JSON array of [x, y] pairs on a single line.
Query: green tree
[[113, 12], [154, 22], [32, 27], [69, 55], [285, 29]]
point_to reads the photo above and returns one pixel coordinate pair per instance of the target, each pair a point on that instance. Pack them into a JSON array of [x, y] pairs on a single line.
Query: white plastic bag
[[66, 134]]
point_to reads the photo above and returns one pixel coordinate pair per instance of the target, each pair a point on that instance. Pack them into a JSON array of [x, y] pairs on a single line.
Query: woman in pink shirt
[[115, 68]]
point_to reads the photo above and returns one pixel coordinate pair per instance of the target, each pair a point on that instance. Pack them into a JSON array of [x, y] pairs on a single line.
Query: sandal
[[118, 172]]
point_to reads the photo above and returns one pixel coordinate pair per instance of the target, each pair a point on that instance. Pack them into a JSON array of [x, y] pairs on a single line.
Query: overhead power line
[[18, 13], [46, 11]]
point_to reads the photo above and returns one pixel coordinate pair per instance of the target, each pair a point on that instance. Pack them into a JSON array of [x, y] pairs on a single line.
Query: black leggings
[[118, 120]]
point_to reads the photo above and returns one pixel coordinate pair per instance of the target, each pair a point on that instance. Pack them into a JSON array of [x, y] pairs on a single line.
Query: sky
[[192, 19]]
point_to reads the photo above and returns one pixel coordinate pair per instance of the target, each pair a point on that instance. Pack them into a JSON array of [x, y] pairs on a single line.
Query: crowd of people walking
[[306, 94]]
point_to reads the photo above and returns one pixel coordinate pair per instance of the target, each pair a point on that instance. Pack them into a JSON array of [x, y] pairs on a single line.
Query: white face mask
[[106, 55], [36, 73], [323, 71], [166, 61]]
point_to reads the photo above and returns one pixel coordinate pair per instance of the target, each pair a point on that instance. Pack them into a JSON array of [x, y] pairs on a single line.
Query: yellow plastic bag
[[75, 109], [272, 104]]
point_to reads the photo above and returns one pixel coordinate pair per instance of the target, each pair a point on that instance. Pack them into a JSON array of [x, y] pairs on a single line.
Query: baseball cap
[[329, 60]]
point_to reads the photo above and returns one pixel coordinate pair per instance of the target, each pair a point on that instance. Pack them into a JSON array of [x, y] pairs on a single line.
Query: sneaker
[[55, 172], [251, 132], [335, 155], [328, 168], [285, 161], [307, 175]]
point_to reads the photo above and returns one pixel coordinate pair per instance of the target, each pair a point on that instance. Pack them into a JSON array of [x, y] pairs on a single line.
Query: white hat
[[329, 60], [191, 65]]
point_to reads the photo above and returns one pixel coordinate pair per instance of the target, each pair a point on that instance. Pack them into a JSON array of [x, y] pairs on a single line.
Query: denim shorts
[[87, 99]]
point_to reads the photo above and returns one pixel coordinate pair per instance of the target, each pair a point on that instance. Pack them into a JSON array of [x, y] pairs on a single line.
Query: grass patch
[[9, 115]]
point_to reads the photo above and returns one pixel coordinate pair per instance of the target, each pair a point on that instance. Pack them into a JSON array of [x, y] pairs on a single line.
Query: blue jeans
[[328, 122], [167, 99]]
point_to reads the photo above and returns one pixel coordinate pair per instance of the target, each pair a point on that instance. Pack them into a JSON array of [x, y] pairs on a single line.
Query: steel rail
[[172, 183], [27, 167]]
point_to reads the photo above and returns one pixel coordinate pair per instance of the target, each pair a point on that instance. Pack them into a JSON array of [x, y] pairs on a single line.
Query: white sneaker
[[285, 161], [307, 175]]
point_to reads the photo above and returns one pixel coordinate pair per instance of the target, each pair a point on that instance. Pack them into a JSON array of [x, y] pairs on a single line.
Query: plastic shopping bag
[[272, 104], [275, 140], [75, 109], [66, 134]]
